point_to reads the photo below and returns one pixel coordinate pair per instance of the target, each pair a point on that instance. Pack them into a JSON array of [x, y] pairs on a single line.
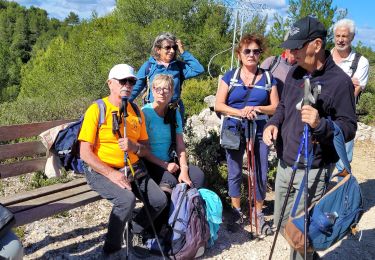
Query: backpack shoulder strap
[[170, 118], [268, 78], [268, 85], [146, 94], [102, 111], [233, 80], [275, 60], [355, 62], [136, 110]]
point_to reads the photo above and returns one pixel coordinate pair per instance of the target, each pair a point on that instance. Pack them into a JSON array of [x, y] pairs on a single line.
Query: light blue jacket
[[214, 212], [186, 68]]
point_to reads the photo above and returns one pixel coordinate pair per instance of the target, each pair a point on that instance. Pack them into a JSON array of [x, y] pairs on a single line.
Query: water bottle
[[325, 221], [331, 217]]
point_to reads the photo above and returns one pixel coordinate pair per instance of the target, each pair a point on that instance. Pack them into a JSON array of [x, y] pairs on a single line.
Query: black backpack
[[355, 62]]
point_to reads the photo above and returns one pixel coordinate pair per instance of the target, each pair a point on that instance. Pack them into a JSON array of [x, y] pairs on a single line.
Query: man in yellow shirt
[[102, 150]]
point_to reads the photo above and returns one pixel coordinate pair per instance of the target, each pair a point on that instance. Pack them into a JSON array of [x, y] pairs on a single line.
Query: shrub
[[194, 92]]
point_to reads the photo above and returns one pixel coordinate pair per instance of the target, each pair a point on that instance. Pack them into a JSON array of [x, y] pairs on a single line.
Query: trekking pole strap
[[339, 143]]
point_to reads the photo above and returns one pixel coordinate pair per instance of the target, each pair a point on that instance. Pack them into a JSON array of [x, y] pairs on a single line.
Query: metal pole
[[234, 39]]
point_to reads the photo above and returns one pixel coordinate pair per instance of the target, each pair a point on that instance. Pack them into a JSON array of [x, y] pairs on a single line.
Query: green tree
[[72, 19]]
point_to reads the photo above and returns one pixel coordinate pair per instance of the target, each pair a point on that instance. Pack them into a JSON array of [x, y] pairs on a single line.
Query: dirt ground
[[80, 233]]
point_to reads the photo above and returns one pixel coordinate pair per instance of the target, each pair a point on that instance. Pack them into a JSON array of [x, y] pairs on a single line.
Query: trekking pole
[[252, 155], [249, 182], [290, 185], [127, 162], [306, 101]]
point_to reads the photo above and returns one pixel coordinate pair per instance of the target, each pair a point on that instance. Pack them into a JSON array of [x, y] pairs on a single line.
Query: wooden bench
[[31, 156]]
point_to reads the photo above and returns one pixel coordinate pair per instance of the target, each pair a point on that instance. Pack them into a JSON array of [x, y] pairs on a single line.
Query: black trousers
[[167, 181]]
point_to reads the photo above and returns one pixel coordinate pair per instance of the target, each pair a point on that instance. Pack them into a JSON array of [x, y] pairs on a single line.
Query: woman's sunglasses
[[169, 47], [255, 52]]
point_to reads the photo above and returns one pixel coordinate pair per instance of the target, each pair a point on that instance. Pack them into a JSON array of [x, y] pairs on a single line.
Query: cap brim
[[293, 44]]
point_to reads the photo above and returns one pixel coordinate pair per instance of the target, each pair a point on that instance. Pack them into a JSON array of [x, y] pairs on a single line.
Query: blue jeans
[[349, 152], [123, 202], [10, 247]]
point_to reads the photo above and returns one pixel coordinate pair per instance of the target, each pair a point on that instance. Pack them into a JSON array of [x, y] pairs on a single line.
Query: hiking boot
[[236, 220], [264, 228], [138, 246]]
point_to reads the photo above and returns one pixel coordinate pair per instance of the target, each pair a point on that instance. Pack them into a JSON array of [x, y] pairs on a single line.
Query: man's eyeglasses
[[129, 81], [162, 90], [255, 52], [169, 47]]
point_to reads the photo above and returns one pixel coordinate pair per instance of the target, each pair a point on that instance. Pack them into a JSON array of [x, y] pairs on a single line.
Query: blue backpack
[[66, 144], [335, 215]]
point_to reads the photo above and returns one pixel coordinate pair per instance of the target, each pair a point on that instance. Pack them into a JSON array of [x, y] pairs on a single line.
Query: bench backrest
[[30, 155]]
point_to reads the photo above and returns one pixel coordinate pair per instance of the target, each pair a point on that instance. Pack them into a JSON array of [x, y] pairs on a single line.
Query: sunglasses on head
[[254, 51], [169, 47], [129, 81]]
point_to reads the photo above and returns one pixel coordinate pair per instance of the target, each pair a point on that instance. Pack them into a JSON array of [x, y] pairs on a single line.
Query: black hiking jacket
[[336, 101]]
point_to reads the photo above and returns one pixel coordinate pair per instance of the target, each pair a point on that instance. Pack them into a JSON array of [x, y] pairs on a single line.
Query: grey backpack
[[190, 230]]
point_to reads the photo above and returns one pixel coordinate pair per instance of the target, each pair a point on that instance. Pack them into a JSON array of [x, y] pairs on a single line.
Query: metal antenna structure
[[241, 12]]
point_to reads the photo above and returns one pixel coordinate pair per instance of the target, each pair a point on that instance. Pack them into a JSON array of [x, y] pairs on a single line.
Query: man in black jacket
[[336, 102]]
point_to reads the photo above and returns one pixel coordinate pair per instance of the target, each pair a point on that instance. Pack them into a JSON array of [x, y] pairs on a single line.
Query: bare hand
[[269, 134], [172, 167], [248, 112], [119, 179], [355, 82], [180, 46], [127, 145], [310, 116], [184, 177]]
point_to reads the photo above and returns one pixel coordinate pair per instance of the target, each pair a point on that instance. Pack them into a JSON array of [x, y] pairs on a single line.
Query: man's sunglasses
[[129, 81], [169, 47], [303, 45], [255, 52]]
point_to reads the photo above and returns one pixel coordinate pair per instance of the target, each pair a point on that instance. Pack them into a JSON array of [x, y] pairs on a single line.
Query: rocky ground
[[79, 233]]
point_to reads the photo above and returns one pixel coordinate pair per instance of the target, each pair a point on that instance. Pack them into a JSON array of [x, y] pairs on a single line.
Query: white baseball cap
[[121, 71]]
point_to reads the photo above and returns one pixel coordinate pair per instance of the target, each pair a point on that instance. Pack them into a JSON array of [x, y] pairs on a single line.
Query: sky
[[361, 11]]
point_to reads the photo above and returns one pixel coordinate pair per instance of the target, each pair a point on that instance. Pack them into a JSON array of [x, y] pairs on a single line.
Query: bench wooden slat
[[12, 132], [21, 149], [56, 207], [22, 167], [29, 195], [47, 199]]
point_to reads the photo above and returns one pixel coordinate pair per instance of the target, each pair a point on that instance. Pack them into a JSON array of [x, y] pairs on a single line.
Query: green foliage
[[194, 92], [39, 179], [321, 9], [207, 154], [20, 232], [20, 30]]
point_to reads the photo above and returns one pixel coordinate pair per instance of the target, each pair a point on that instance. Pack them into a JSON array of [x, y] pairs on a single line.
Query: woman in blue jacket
[[163, 61]]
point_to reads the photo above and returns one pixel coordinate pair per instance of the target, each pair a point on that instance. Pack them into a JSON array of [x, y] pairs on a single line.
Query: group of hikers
[[147, 145]]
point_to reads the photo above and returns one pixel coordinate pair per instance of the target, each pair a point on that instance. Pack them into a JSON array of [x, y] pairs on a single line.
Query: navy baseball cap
[[303, 31]]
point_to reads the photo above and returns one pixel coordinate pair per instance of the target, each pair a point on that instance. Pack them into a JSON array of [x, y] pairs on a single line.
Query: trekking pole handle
[[307, 91]]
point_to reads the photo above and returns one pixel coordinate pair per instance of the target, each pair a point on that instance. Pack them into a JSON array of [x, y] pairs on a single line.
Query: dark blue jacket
[[189, 68], [335, 101]]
